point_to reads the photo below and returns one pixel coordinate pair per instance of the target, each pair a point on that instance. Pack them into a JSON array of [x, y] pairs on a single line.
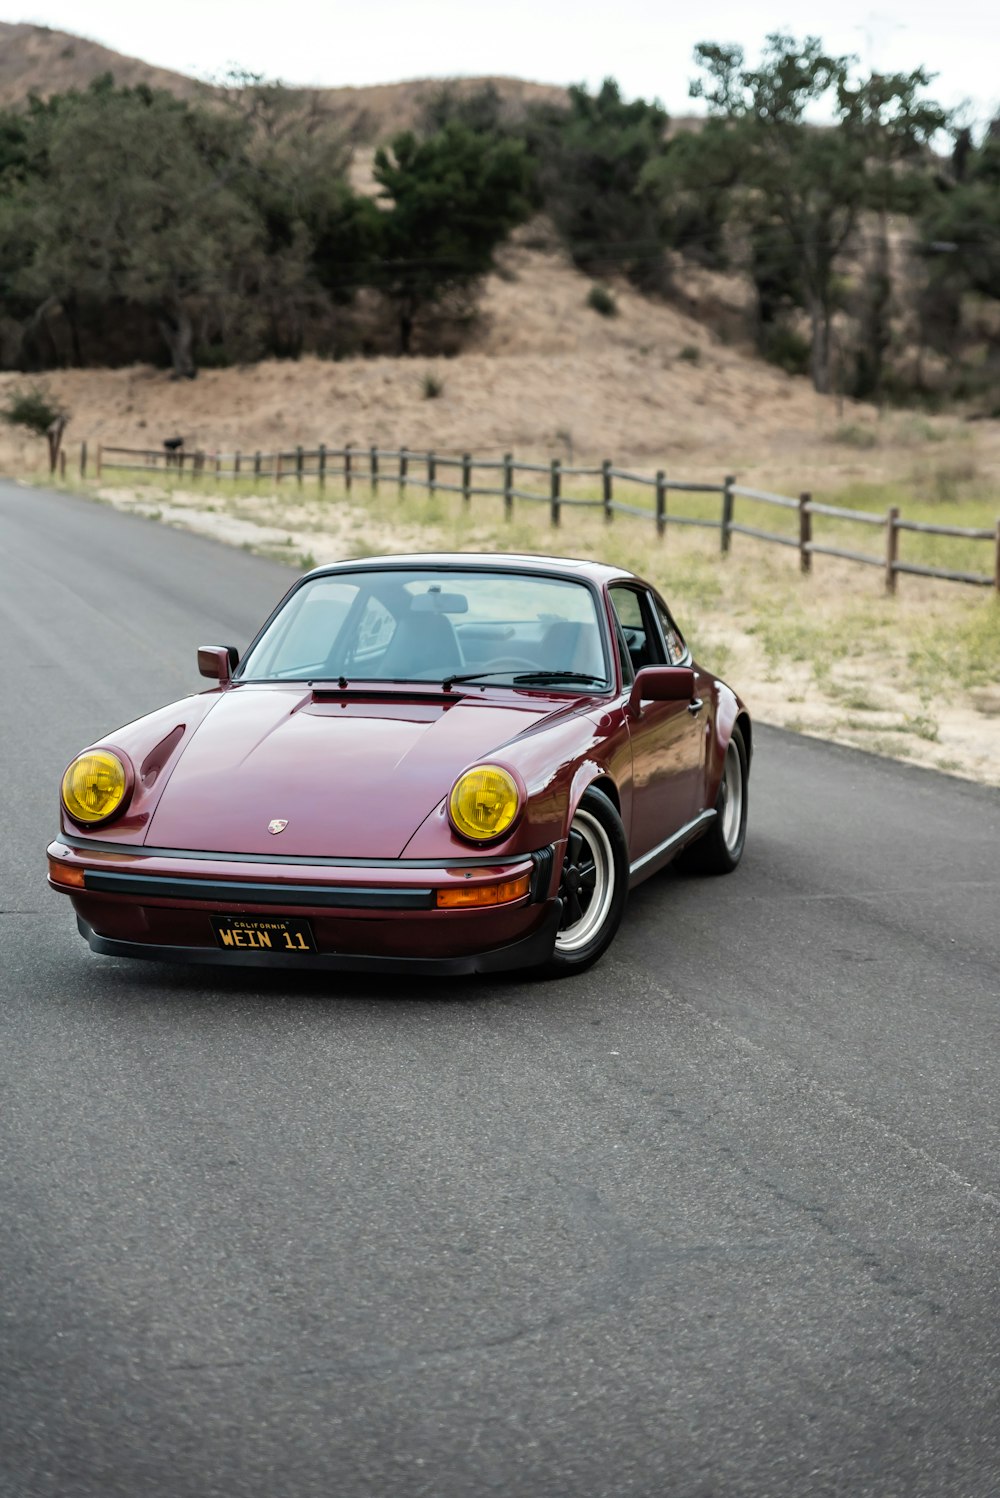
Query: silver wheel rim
[[731, 810], [588, 882]]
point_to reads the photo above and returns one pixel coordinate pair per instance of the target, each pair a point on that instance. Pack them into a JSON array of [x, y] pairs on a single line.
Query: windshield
[[431, 625]]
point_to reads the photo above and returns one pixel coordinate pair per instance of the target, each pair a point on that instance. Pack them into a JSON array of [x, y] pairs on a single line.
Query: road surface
[[718, 1218]]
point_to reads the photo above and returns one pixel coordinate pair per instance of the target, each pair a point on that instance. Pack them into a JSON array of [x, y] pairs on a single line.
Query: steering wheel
[[511, 663]]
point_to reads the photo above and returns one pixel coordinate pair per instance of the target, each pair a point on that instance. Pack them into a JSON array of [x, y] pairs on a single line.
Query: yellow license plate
[[263, 933]]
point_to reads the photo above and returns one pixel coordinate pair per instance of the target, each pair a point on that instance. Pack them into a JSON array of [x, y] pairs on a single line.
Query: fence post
[[373, 468], [256, 464], [661, 502], [466, 478], [347, 467], [606, 491], [216, 458], [236, 464], [322, 465], [199, 463], [83, 460], [996, 563], [97, 464], [431, 472], [728, 498], [299, 463], [508, 485], [404, 463], [805, 533], [891, 547], [277, 467], [555, 491], [62, 463]]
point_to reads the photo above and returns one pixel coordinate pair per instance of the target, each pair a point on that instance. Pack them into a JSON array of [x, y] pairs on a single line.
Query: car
[[437, 764]]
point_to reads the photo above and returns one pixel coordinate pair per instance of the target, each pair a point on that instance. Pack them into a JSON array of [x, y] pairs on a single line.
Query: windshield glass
[[430, 625]]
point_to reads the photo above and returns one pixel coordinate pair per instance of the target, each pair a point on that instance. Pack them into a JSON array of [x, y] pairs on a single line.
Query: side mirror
[[218, 662], [660, 684]]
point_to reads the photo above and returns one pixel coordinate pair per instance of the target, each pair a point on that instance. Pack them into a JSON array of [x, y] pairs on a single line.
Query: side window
[[641, 637], [676, 648]]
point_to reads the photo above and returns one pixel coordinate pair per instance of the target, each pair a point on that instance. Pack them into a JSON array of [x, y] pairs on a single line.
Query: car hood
[[349, 777]]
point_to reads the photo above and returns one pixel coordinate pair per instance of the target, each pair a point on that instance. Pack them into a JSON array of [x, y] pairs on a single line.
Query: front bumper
[[530, 951], [381, 917]]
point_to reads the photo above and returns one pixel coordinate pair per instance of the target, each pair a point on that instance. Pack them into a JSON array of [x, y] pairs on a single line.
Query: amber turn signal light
[[65, 873], [465, 896]]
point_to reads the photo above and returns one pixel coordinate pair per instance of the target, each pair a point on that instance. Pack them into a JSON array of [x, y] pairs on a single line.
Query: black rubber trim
[[243, 892], [542, 877], [140, 850], [530, 951]]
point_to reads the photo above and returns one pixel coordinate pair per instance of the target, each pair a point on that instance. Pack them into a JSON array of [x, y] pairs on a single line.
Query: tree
[[449, 201], [893, 127], [133, 199], [802, 183], [37, 410], [593, 178], [960, 223], [694, 179], [808, 185], [317, 241]]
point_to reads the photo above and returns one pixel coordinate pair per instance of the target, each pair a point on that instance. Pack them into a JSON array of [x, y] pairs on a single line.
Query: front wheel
[[593, 887], [720, 849]]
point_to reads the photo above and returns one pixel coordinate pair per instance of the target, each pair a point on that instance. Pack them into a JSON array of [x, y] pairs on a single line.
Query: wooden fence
[[462, 474]]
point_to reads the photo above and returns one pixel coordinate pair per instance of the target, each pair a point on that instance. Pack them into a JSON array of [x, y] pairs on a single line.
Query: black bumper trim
[[141, 850], [530, 951], [246, 892]]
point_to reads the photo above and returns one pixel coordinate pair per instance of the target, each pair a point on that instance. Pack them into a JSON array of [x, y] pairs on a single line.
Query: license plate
[[263, 933]]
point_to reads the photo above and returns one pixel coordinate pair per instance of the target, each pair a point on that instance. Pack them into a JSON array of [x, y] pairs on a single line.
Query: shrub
[[432, 387], [599, 299], [786, 348], [690, 353], [32, 406]]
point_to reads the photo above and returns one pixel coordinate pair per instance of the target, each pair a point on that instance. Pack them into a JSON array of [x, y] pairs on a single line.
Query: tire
[[593, 886], [720, 849]]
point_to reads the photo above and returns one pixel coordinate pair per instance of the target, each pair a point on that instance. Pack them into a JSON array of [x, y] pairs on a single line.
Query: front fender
[[729, 707], [556, 765]]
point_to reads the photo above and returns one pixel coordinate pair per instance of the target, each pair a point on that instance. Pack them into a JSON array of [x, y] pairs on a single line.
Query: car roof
[[466, 561]]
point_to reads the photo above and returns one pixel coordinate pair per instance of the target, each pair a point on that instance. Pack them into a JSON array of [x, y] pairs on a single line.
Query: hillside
[[38, 60], [544, 375]]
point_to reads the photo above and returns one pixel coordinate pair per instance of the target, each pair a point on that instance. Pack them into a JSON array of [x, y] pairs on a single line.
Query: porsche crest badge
[[277, 825]]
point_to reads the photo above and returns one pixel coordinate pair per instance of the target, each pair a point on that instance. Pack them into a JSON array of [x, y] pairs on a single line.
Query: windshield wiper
[[451, 681], [541, 677], [524, 678]]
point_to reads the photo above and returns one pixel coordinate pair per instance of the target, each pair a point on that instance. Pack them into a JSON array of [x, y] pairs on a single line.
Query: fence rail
[[421, 470]]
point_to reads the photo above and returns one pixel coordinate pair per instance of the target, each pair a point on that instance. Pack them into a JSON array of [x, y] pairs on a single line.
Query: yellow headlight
[[94, 786], [484, 802]]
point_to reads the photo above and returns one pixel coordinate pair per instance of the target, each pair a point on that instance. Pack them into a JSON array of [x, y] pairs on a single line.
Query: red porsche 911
[[423, 764]]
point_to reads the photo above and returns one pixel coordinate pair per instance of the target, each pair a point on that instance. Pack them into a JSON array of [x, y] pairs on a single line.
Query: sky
[[645, 44]]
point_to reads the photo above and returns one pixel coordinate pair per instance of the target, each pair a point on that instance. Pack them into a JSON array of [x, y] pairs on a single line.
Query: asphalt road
[[718, 1218]]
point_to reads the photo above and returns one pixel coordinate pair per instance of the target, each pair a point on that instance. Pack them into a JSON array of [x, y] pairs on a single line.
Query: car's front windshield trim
[[358, 601]]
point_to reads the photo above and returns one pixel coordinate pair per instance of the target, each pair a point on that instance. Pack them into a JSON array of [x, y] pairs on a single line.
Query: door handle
[[695, 706]]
